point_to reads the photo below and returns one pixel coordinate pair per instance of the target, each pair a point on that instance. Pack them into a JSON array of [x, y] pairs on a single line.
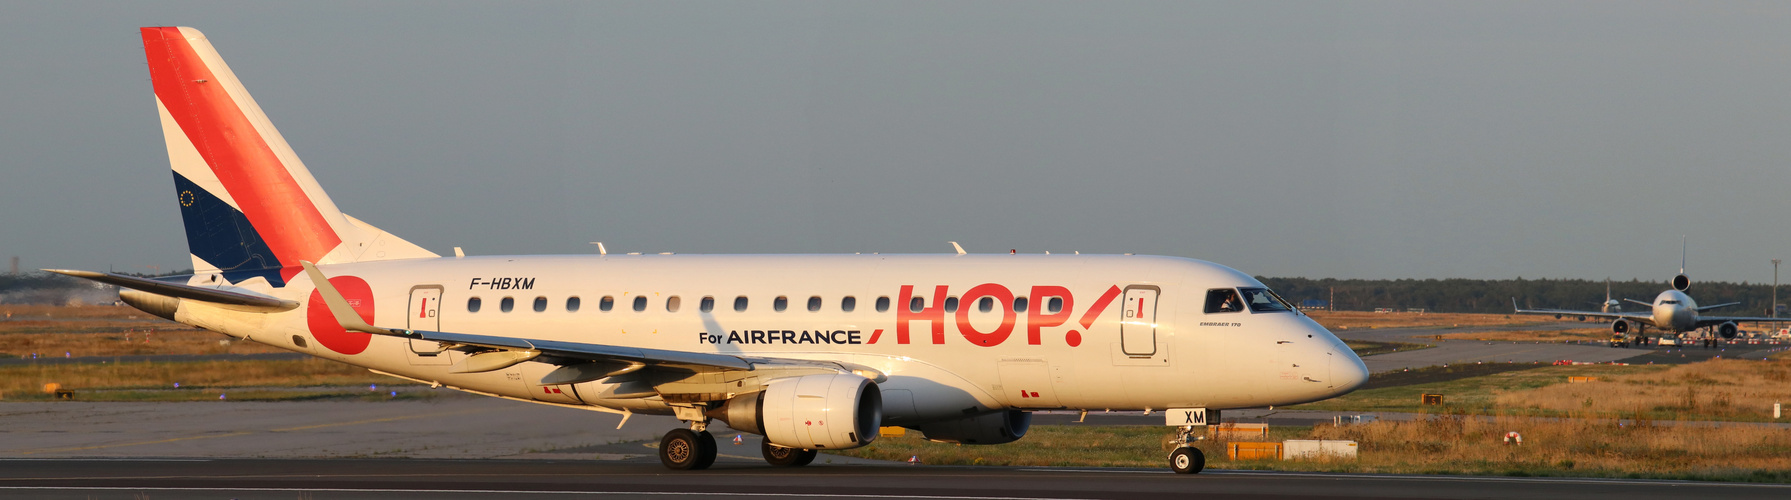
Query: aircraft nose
[[1348, 372]]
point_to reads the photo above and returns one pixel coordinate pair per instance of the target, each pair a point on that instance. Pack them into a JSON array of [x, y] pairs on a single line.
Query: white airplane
[[815, 352], [1672, 311]]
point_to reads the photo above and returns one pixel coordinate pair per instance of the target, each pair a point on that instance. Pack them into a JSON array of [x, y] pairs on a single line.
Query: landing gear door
[[425, 314], [1138, 327]]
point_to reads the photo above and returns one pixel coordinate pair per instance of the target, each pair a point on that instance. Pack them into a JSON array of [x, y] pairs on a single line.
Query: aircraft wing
[[1718, 306], [582, 361], [1717, 320], [1640, 317]]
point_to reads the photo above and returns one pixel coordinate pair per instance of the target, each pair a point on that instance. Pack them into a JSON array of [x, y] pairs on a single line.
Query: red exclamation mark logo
[[424, 312]]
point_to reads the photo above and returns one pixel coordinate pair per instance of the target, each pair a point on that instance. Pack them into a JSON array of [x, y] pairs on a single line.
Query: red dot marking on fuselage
[[323, 324]]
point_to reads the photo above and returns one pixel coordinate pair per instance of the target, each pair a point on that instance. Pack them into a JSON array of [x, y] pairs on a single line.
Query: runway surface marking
[[1411, 477], [527, 492], [244, 433]]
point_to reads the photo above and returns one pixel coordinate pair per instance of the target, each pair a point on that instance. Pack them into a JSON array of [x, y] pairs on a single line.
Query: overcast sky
[[1320, 139]]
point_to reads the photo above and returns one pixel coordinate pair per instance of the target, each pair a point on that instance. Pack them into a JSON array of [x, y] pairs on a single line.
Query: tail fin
[[250, 206]]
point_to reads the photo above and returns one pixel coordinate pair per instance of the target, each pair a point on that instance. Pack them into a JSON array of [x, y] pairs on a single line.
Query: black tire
[[779, 456], [1187, 460], [683, 449], [705, 450]]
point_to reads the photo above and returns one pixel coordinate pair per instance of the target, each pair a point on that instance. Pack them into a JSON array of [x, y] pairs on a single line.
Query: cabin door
[[425, 314], [1138, 328]]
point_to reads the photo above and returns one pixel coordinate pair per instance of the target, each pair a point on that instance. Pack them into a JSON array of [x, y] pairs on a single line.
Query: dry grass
[[139, 342], [1723, 389], [1588, 447], [1581, 334], [23, 312], [1344, 320], [27, 382]]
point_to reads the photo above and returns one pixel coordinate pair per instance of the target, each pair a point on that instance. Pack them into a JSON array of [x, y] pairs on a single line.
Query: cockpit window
[[1669, 302], [1263, 300], [1223, 300]]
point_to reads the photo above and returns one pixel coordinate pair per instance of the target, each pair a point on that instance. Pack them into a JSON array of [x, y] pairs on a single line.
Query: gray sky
[[1321, 139]]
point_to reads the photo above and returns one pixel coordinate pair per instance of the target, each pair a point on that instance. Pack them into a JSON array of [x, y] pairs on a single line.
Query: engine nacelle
[[1727, 330], [1681, 282], [1620, 326], [990, 428], [824, 411]]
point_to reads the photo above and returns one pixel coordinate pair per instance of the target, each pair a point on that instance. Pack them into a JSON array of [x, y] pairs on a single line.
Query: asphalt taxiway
[[394, 479]]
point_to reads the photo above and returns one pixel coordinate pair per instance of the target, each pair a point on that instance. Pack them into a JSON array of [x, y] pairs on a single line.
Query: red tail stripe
[[236, 152]]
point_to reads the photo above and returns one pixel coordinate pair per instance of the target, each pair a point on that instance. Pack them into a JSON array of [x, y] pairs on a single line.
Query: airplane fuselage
[[1675, 311], [953, 333]]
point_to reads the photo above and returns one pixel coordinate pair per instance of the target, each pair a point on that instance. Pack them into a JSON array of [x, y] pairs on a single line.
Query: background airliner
[[812, 351], [1672, 311]]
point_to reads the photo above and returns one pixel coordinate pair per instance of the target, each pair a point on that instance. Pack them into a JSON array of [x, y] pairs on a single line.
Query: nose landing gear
[[1186, 459]]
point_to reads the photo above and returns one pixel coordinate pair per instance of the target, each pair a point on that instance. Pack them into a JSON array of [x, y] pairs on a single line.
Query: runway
[[392, 479]]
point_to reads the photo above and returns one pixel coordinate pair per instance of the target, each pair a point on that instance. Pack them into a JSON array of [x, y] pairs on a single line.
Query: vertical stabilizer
[[250, 207]]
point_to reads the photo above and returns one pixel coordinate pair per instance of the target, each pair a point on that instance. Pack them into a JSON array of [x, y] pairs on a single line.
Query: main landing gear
[[779, 456], [1186, 459], [686, 449]]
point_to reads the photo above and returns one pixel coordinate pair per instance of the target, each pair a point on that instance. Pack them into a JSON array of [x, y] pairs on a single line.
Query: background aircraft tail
[[251, 208]]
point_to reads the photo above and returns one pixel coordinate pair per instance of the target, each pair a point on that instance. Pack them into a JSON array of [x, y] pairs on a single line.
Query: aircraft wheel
[[779, 456], [1187, 460], [684, 449]]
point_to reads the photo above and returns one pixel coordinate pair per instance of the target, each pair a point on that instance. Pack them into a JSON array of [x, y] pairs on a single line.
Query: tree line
[[1494, 296]]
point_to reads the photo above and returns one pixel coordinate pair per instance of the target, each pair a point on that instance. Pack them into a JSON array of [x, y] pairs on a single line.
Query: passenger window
[[814, 304], [672, 303], [1055, 305], [472, 305], [1263, 300], [540, 304], [985, 304], [606, 303], [780, 304], [916, 304], [571, 304], [848, 304], [883, 304], [1223, 300], [640, 303], [1019, 304], [740, 303], [507, 304], [951, 304], [708, 304]]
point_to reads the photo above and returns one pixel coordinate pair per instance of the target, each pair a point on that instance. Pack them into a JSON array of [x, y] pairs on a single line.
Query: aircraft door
[[425, 314], [1138, 328]]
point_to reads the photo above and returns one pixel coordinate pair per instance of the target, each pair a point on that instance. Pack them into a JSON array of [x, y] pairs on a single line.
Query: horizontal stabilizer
[[190, 292]]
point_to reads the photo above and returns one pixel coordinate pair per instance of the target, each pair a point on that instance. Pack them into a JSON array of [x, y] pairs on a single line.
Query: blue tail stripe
[[221, 235]]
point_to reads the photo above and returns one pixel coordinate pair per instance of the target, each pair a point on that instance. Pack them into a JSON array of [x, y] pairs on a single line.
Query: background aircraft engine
[[990, 428], [1681, 282], [829, 411], [1620, 326], [1727, 330]]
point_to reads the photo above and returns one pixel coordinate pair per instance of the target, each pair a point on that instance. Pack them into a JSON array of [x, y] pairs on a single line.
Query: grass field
[[106, 331], [1443, 445], [1601, 334], [1345, 320], [199, 380], [1370, 348]]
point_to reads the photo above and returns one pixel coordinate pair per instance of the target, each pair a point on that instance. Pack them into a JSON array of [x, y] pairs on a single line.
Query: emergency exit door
[[425, 314], [1138, 328]]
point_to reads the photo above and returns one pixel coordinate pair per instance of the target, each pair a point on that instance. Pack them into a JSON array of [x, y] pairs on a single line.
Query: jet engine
[[1620, 326], [824, 411], [989, 428], [1727, 330], [1681, 282]]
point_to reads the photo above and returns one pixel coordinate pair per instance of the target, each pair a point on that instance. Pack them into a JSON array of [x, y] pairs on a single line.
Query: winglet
[[1514, 306], [339, 307], [959, 248]]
